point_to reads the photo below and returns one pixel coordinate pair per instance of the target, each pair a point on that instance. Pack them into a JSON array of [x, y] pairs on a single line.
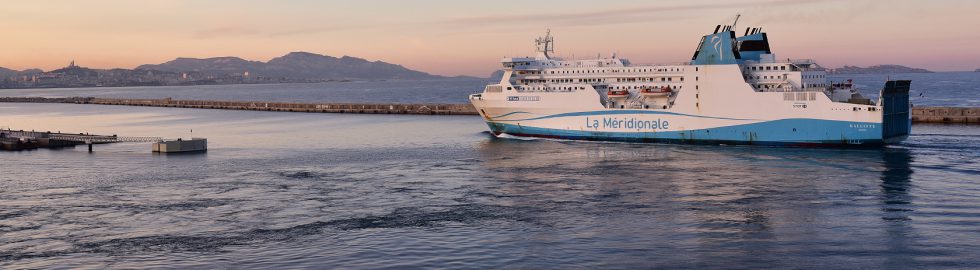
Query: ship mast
[[545, 45], [736, 21]]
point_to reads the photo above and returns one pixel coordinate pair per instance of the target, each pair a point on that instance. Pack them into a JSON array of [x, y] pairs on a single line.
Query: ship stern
[[896, 118]]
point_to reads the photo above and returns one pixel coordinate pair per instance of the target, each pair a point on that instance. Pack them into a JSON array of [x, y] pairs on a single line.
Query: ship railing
[[769, 81], [802, 61]]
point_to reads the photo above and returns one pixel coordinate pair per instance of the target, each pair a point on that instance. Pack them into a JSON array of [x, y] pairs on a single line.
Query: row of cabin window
[[765, 77], [528, 72], [642, 87], [662, 79], [563, 88], [613, 70], [766, 68], [813, 76], [602, 80], [764, 86]]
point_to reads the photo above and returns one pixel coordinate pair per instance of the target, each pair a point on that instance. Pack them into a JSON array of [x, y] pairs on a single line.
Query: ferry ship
[[733, 91]]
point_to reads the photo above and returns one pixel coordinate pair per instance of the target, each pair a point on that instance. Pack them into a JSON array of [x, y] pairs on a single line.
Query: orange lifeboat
[[618, 93], [662, 92]]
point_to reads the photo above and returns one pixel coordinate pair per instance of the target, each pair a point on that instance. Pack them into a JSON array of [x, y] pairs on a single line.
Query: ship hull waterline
[[623, 126]]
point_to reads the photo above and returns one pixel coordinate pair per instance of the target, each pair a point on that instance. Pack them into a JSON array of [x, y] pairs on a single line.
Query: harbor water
[[296, 190]]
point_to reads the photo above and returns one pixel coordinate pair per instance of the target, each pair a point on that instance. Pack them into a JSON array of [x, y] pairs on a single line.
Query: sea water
[[340, 191]]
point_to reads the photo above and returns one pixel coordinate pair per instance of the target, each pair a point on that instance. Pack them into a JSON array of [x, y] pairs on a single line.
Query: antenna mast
[[736, 20], [546, 44]]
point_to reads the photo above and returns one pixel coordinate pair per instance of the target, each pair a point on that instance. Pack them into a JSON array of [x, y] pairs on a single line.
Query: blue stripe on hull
[[787, 132], [601, 113]]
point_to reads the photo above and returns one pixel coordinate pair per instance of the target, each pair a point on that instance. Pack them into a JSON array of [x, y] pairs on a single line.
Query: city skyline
[[450, 38]]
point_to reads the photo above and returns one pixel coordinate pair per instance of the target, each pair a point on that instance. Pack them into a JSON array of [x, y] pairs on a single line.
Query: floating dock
[[950, 115], [181, 146]]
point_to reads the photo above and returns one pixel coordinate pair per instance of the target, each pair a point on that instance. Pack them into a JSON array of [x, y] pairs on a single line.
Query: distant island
[[296, 67], [879, 69]]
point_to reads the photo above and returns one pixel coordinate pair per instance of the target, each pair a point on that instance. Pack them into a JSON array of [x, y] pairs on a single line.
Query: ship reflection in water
[[348, 191], [711, 205]]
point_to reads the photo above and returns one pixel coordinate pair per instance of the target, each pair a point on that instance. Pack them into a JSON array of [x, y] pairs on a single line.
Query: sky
[[453, 37]]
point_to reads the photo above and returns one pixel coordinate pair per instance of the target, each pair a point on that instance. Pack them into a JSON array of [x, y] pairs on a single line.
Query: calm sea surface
[[936, 89], [297, 190]]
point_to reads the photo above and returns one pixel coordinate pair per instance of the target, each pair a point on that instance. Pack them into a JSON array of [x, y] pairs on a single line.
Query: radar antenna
[[546, 44], [736, 20]]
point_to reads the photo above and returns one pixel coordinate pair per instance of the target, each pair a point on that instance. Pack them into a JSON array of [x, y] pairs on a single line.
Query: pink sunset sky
[[470, 37]]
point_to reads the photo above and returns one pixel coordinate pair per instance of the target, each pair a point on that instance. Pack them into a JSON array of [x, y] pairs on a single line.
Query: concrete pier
[[958, 115]]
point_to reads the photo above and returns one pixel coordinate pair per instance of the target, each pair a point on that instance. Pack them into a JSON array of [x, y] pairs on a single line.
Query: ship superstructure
[[734, 90]]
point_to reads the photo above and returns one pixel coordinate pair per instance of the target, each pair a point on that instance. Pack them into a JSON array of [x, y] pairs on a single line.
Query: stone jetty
[[387, 108]]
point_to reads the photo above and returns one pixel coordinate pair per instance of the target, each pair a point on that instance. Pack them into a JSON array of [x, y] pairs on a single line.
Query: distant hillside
[[7, 73], [212, 66], [879, 69], [294, 66]]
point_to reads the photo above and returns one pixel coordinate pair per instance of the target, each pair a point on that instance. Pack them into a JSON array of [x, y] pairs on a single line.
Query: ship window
[[783, 67]]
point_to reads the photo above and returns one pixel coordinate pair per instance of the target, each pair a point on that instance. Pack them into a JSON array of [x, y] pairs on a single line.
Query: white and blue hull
[[651, 126]]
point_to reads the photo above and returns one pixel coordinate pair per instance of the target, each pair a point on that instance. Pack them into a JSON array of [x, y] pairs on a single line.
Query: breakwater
[[392, 108], [959, 115]]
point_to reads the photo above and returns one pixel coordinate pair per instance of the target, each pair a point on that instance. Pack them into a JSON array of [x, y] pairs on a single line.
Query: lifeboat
[[662, 92], [618, 93]]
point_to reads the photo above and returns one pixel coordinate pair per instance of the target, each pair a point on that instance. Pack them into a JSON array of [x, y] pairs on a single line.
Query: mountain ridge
[[878, 69], [294, 65]]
